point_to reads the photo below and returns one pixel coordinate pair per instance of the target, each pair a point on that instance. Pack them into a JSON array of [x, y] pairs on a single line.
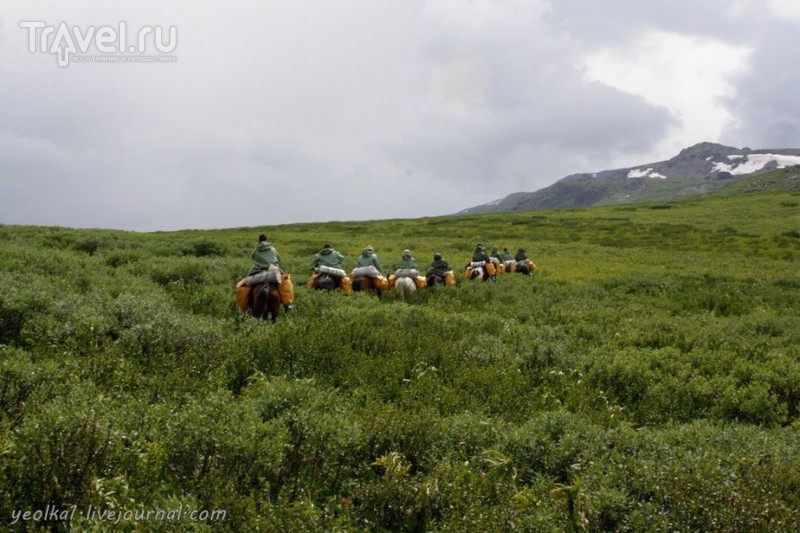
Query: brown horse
[[265, 301], [326, 282], [366, 284]]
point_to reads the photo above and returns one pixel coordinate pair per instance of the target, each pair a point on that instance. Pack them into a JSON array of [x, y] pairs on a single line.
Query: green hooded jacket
[[328, 257], [480, 254], [407, 261], [265, 255], [368, 258]]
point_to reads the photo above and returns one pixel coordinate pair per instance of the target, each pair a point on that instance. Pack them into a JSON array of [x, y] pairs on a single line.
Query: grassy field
[[646, 378]]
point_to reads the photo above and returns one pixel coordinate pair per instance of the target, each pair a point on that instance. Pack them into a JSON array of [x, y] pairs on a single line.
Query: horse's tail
[[266, 301]]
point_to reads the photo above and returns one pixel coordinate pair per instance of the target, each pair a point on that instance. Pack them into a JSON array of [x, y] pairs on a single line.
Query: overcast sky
[[267, 112]]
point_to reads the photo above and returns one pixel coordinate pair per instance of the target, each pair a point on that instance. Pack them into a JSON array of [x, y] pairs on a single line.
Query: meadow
[[646, 378]]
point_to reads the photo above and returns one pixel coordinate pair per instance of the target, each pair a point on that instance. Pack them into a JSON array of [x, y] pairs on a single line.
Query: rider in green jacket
[[265, 256], [407, 261], [328, 257], [369, 258], [480, 254]]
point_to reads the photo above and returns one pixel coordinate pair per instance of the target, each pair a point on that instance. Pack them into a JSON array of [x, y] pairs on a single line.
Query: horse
[[405, 286], [524, 269], [478, 273], [366, 284], [326, 282], [265, 301], [433, 279]]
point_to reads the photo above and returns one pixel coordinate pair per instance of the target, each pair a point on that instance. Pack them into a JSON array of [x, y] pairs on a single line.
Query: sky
[[151, 115]]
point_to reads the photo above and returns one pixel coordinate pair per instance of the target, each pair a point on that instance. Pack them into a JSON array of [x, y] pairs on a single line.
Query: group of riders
[[328, 270]]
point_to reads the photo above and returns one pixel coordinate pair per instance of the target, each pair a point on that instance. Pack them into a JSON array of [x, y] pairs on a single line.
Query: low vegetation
[[646, 378]]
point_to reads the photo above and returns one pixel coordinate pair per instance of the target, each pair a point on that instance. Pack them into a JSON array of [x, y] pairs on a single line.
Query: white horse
[[405, 286]]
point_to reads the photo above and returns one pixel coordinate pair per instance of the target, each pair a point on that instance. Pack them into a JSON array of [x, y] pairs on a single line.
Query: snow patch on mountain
[[747, 164], [645, 173]]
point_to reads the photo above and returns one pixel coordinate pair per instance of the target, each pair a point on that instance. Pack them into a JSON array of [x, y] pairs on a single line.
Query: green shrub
[[645, 379]]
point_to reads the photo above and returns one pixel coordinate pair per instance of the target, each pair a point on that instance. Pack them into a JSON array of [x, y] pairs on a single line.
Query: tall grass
[[647, 377]]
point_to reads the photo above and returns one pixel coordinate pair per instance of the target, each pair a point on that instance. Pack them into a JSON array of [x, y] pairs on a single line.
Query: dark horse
[[366, 284], [524, 269], [433, 279], [326, 282], [265, 301]]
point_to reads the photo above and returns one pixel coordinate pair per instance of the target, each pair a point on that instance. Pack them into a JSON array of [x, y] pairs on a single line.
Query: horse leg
[[273, 306], [257, 304], [375, 288]]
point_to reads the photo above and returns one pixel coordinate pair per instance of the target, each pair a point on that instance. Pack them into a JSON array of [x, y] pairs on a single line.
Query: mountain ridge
[[698, 169]]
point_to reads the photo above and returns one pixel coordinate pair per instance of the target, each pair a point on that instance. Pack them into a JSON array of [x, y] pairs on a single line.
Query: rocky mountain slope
[[698, 169]]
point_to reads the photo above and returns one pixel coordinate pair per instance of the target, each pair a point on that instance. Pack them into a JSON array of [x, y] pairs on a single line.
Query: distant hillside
[[701, 168]]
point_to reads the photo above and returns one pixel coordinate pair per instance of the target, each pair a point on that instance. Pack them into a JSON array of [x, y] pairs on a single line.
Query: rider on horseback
[[369, 258], [266, 259], [328, 257], [370, 266], [265, 256], [407, 261], [407, 267], [481, 259], [439, 271], [479, 254], [332, 262], [523, 264]]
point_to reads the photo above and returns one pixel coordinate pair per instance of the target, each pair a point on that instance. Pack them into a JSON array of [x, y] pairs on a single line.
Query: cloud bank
[[306, 111]]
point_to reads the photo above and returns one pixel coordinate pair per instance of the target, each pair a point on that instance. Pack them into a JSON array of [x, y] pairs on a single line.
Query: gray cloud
[[767, 102], [281, 112]]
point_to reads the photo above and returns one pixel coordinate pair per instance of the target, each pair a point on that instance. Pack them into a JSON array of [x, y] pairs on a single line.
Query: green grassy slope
[[646, 378]]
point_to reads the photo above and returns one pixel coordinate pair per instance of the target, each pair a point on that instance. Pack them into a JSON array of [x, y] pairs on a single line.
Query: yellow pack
[[243, 297], [421, 282], [286, 289], [381, 282], [347, 286], [450, 278]]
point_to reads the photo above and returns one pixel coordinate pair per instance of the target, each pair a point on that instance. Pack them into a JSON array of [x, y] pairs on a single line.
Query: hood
[[264, 245]]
